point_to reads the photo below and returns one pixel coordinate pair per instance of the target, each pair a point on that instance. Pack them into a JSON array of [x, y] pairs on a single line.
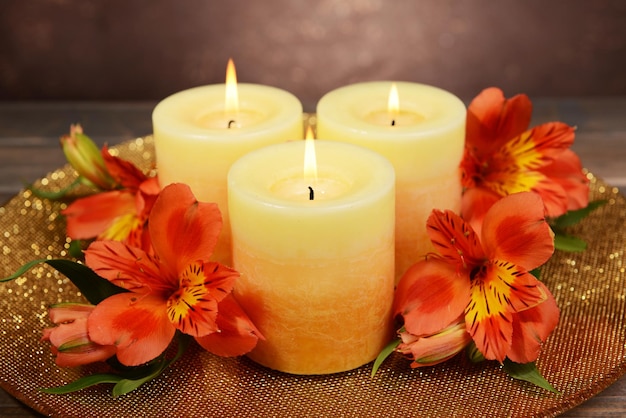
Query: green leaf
[[384, 353], [575, 216], [537, 273], [131, 378], [128, 385], [76, 249], [42, 194], [474, 354], [529, 373], [92, 286], [569, 243], [83, 382], [23, 269]]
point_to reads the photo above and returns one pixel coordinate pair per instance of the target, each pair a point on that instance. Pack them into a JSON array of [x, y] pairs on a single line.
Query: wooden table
[[29, 149]]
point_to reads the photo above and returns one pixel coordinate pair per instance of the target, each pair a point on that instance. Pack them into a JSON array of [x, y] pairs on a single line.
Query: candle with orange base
[[315, 254]]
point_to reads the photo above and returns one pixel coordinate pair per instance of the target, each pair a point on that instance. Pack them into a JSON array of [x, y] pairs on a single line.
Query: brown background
[[148, 49]]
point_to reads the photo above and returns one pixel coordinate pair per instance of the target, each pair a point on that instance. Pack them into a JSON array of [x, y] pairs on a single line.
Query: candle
[[315, 253], [421, 130], [200, 132]]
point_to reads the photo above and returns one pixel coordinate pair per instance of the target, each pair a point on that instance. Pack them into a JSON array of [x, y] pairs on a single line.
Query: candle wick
[[393, 122], [231, 123], [311, 193]]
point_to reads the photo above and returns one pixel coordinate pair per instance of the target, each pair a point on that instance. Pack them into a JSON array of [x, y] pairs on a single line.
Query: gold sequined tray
[[585, 354]]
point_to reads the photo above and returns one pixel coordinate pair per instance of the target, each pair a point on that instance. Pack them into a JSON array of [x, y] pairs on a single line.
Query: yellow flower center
[[191, 308]]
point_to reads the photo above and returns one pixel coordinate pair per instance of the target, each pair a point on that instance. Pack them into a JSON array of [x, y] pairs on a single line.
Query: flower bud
[[85, 157], [70, 341], [428, 350]]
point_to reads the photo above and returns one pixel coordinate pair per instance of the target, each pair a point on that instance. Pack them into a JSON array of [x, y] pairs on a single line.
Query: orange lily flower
[[177, 288], [120, 213], [502, 156], [486, 278]]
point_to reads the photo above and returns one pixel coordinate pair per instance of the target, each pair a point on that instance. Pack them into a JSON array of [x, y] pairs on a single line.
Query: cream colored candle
[[422, 134], [195, 145], [316, 275]]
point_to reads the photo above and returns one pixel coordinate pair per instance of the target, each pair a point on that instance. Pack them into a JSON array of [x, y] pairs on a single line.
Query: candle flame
[[232, 98], [393, 104], [310, 162]]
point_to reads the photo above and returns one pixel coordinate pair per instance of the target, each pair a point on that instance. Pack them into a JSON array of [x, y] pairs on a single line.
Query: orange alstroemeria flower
[[177, 288], [502, 156], [486, 278], [119, 214]]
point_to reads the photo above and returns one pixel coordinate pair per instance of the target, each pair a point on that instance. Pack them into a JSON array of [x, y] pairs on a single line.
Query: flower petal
[[90, 216], [237, 334], [537, 147], [124, 172], [492, 120], [430, 295], [137, 325], [75, 330], [87, 354], [69, 311], [521, 237], [498, 291], [454, 239], [70, 341], [505, 183], [566, 170], [531, 327], [182, 229], [193, 307], [127, 267], [475, 203], [515, 166], [553, 195], [144, 201]]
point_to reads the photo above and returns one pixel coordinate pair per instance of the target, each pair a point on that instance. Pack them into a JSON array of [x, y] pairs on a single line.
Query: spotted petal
[[125, 266], [499, 291], [531, 327], [537, 147], [454, 239], [193, 307], [515, 166]]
